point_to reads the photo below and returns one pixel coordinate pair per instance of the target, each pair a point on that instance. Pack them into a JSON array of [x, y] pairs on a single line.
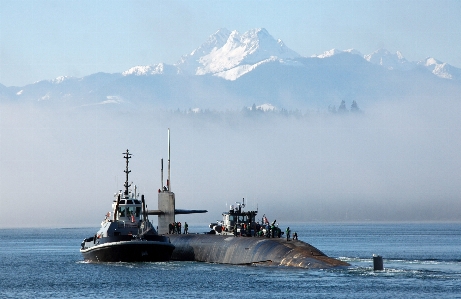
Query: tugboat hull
[[129, 251]]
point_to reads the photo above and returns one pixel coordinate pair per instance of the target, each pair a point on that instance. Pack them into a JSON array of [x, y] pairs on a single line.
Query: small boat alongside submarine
[[126, 234], [237, 222]]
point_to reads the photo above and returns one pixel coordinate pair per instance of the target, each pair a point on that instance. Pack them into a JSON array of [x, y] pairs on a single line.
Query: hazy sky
[[46, 39]]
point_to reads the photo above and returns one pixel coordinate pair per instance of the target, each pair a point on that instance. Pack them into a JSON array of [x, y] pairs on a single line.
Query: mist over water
[[396, 161]]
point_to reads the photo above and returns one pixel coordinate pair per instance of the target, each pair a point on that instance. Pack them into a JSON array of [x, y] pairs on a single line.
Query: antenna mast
[[161, 171], [127, 157], [169, 181]]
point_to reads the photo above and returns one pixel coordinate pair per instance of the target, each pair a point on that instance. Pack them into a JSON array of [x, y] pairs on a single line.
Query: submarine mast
[[161, 171], [169, 181]]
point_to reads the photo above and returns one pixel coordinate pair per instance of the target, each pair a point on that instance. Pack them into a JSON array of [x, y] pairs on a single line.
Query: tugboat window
[[131, 211], [121, 211]]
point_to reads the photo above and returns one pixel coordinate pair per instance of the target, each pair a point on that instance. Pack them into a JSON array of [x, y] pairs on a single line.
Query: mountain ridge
[[232, 70]]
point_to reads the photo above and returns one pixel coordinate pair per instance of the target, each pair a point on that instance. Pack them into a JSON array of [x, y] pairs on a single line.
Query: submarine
[[235, 240]]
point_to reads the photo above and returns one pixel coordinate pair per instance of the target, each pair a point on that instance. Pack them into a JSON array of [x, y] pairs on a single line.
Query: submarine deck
[[250, 250]]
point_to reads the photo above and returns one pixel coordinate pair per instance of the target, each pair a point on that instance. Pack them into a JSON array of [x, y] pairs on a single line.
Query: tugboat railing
[[129, 225]]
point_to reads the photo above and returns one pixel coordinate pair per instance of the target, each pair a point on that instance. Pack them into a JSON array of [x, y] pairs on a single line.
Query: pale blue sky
[[46, 39]]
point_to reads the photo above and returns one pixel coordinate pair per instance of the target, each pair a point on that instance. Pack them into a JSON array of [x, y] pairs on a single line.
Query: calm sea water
[[420, 260]]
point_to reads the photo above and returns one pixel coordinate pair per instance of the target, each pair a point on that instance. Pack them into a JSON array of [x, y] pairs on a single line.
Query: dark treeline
[[258, 111]]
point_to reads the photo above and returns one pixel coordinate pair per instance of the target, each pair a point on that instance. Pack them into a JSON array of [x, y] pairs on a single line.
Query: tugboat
[[126, 234]]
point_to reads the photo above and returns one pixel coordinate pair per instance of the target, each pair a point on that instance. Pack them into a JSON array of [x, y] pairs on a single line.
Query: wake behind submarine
[[236, 240]]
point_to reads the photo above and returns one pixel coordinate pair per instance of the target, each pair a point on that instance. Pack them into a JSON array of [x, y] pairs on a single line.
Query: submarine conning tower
[[166, 204], [166, 201]]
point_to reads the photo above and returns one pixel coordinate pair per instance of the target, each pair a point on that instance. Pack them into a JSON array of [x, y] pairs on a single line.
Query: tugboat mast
[[127, 185]]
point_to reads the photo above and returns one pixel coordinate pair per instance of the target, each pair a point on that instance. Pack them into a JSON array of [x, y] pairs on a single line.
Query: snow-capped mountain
[[232, 70], [230, 54], [441, 69], [159, 69], [190, 62], [335, 52], [226, 54], [390, 61], [396, 61], [61, 79]]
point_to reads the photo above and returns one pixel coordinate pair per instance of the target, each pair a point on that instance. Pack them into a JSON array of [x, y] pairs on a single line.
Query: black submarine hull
[[250, 250], [129, 251]]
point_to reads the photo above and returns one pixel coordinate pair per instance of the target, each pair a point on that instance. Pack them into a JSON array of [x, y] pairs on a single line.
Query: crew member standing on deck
[[186, 228], [288, 233]]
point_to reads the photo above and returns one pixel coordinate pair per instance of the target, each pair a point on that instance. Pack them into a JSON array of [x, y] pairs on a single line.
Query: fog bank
[[396, 161]]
